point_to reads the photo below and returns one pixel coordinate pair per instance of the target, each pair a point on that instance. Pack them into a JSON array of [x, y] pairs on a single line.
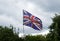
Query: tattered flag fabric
[[31, 21]]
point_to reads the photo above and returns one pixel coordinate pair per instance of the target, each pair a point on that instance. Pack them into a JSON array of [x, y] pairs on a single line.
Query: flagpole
[[23, 34], [23, 30], [23, 27]]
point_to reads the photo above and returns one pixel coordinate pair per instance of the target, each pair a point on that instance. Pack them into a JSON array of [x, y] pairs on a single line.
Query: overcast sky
[[11, 12]]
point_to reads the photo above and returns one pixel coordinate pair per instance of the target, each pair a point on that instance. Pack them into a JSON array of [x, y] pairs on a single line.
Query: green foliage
[[7, 34], [54, 34], [35, 38]]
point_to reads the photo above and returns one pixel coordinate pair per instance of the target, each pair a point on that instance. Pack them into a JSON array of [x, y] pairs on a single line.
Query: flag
[[31, 21]]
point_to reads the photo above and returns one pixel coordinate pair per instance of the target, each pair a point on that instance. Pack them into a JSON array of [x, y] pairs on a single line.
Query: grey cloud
[[48, 5], [9, 8]]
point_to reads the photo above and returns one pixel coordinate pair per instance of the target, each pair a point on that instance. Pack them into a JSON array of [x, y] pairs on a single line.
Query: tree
[[35, 38], [7, 34], [54, 34]]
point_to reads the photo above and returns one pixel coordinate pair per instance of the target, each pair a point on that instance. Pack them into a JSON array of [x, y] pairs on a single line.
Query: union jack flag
[[31, 21]]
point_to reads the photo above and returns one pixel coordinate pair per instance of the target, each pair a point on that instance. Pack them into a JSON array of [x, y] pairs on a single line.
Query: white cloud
[[33, 34], [42, 33], [8, 20]]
